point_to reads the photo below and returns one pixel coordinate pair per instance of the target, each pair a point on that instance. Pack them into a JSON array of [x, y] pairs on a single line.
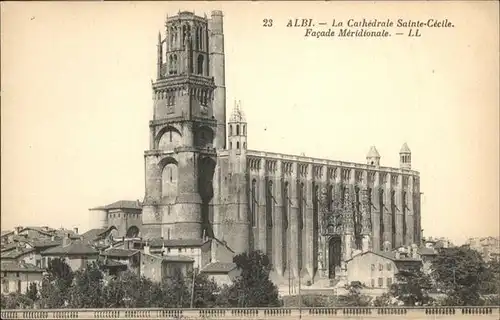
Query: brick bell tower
[[181, 159]]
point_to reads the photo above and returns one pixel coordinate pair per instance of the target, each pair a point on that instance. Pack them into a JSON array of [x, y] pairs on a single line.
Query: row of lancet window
[[237, 145], [178, 40], [173, 65], [243, 129], [406, 158]]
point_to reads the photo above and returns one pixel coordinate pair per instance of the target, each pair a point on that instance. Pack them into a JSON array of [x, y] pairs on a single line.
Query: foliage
[[16, 301], [354, 297], [383, 300], [32, 292], [412, 287], [317, 301], [206, 292], [56, 284], [458, 272], [131, 291], [490, 282], [86, 291], [59, 270], [178, 293], [252, 288]]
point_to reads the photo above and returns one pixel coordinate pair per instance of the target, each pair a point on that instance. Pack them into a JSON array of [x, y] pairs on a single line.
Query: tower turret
[[405, 157], [373, 157], [159, 62], [237, 136], [217, 71]]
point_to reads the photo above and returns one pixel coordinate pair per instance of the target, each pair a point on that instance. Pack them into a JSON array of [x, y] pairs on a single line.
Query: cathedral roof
[[373, 153], [405, 149], [237, 115], [121, 204]]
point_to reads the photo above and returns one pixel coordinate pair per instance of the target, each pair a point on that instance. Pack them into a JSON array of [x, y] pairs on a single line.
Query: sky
[[76, 100]]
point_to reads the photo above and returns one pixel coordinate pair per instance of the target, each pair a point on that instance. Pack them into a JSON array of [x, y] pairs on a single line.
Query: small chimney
[[17, 230], [162, 246], [213, 257], [67, 240], [53, 238], [126, 243], [75, 230], [398, 255], [146, 248], [414, 254]]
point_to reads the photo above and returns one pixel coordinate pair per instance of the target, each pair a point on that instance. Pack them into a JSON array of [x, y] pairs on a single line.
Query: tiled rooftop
[[121, 204], [78, 248], [14, 254], [19, 267], [175, 242], [117, 252], [218, 267]]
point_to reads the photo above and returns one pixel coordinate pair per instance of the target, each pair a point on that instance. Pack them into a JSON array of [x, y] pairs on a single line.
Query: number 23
[[267, 22]]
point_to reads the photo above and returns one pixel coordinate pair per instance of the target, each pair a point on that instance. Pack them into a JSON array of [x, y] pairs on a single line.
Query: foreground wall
[[261, 313]]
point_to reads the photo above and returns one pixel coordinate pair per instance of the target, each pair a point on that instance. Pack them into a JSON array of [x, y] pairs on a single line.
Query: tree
[[129, 290], [354, 297], [58, 269], [252, 288], [32, 292], [383, 300], [87, 288], [177, 293], [412, 287], [490, 282], [113, 293], [458, 272], [16, 300], [56, 284], [206, 292]]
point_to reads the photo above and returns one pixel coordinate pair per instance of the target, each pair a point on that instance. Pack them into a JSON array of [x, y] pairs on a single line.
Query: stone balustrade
[[491, 312]]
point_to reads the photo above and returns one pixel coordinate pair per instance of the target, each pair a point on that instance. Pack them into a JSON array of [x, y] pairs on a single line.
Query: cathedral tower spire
[[179, 165], [405, 157], [237, 129], [373, 157]]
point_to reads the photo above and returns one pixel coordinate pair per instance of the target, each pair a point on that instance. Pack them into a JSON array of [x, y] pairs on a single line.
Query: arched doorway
[[206, 190], [334, 255], [132, 232]]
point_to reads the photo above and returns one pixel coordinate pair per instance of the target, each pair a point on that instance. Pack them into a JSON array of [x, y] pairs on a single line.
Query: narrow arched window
[[231, 130], [237, 129], [237, 145], [253, 201], [200, 64], [244, 145], [198, 34]]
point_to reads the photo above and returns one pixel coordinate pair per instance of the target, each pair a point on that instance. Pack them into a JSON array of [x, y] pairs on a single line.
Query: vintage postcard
[[250, 159]]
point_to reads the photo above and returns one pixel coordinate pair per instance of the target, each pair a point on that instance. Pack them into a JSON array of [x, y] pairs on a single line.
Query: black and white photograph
[[250, 160]]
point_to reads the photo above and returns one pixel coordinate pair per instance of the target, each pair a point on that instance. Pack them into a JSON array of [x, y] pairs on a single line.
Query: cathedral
[[203, 181]]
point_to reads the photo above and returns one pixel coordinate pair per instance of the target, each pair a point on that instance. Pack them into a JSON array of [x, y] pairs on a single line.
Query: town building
[[17, 276], [223, 273], [165, 268], [489, 247], [377, 270], [77, 254]]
